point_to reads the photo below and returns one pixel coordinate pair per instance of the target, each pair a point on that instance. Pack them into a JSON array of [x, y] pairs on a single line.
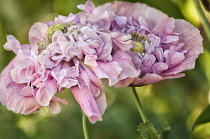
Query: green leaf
[[202, 131], [204, 117], [165, 129], [201, 127], [147, 131]]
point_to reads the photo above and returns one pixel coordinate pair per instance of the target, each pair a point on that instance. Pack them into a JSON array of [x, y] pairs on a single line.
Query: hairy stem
[[139, 106]]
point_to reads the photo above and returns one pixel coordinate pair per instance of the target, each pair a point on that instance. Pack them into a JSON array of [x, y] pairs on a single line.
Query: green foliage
[[147, 131], [201, 127]]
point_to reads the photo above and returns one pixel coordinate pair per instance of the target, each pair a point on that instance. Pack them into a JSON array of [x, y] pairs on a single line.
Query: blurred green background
[[176, 102]]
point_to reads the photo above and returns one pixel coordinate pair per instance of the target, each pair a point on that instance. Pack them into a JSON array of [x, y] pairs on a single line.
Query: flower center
[[139, 42], [42, 45], [51, 30]]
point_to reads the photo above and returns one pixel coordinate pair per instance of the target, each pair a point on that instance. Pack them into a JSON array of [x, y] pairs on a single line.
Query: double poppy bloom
[[123, 47]]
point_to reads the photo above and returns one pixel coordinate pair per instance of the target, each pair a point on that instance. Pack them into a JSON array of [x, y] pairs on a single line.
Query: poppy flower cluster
[[112, 43]]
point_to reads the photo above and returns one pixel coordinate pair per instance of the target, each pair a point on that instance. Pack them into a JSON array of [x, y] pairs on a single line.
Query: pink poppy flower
[[163, 47]]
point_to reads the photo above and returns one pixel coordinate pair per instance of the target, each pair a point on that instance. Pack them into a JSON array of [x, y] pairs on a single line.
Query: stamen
[[138, 47], [139, 42], [42, 45]]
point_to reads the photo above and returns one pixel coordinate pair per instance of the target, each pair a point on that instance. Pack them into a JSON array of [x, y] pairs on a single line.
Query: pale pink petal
[[126, 63], [87, 7], [121, 41], [90, 80], [64, 19], [16, 97], [54, 105], [88, 103], [108, 70], [37, 32], [164, 27], [12, 44], [46, 92]]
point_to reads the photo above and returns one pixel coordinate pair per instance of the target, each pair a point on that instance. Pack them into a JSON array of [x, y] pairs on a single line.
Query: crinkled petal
[[16, 97], [46, 92], [193, 43], [12, 44], [138, 10]]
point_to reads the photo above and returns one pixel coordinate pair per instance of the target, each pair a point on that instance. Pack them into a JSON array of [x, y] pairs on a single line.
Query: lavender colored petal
[[126, 63], [173, 58], [159, 67], [193, 43], [153, 78], [138, 10], [164, 27]]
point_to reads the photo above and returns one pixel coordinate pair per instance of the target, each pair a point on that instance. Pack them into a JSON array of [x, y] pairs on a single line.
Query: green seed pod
[[52, 29]]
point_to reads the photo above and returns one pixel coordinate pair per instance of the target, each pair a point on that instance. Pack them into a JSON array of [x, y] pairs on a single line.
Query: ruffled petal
[[16, 97], [193, 43], [46, 92], [138, 10], [12, 44]]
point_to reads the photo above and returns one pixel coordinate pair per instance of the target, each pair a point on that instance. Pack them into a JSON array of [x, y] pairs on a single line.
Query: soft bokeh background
[[175, 103]]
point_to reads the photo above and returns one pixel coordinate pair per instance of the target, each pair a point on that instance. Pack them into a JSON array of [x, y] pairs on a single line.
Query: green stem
[[203, 19], [139, 106], [84, 125]]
